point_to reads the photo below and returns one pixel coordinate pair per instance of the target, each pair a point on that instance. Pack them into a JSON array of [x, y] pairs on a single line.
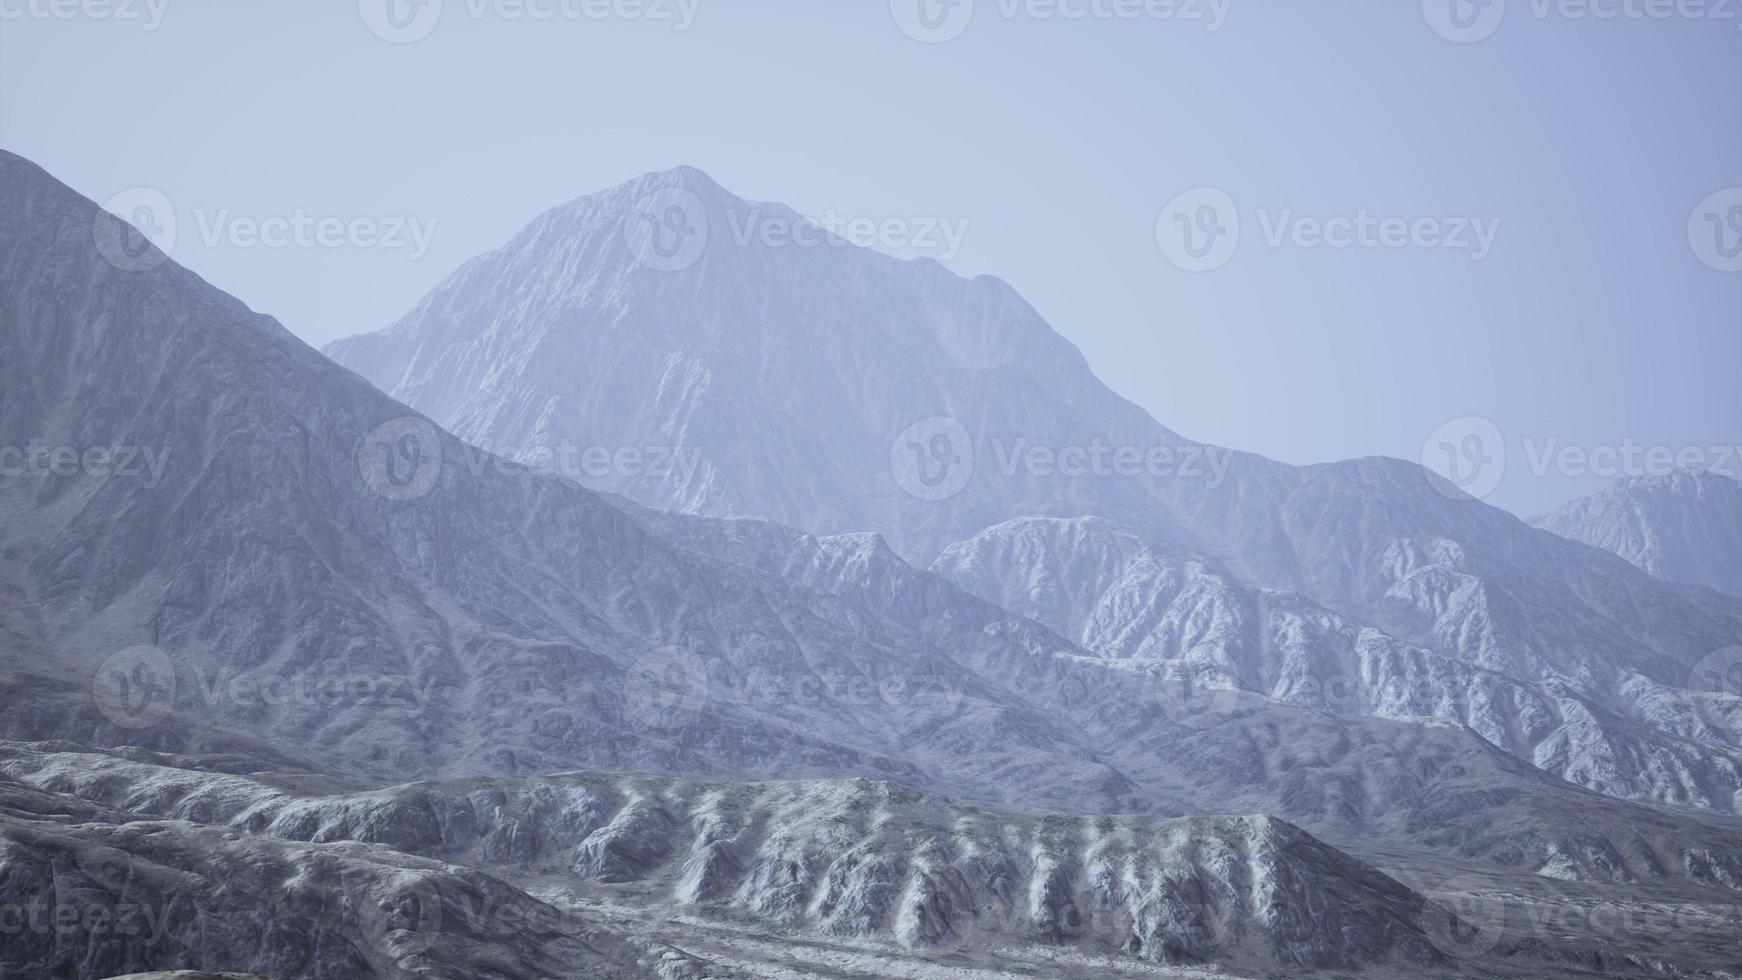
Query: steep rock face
[[845, 859], [1684, 527], [702, 841], [91, 896], [498, 620], [877, 866], [525, 623], [1111, 592], [502, 621], [840, 391]]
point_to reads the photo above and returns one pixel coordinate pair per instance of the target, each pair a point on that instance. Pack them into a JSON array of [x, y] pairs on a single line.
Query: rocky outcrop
[[101, 897], [1683, 527], [857, 859]]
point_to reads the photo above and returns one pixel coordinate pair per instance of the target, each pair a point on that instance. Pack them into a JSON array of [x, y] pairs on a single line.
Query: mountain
[[590, 874], [1684, 527], [1111, 592], [855, 859], [837, 390], [272, 581], [222, 670], [96, 892]]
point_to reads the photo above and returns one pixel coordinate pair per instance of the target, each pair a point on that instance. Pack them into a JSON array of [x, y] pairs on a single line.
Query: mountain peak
[[694, 178], [26, 182], [1683, 477], [1684, 526], [680, 177]]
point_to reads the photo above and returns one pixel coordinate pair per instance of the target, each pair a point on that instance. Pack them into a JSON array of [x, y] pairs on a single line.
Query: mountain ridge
[[838, 390], [1683, 527]]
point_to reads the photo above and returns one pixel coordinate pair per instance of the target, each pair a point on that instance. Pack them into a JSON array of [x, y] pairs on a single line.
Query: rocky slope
[[1111, 592], [320, 593], [837, 390], [887, 873], [93, 893], [855, 859], [1470, 808], [507, 621], [1684, 527], [270, 584]]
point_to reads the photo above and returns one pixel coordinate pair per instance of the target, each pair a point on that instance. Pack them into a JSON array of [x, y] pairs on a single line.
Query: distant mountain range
[[1684, 527], [809, 699], [835, 389]]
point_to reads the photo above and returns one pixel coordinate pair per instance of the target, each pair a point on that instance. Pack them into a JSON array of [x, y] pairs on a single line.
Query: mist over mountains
[[834, 389], [653, 600]]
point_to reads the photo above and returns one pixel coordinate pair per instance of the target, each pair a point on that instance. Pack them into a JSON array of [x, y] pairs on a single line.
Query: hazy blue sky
[[1591, 320]]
